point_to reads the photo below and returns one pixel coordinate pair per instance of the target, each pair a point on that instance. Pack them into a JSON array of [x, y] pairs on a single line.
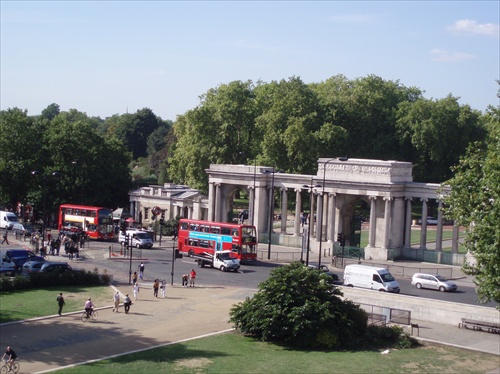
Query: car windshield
[[142, 235], [224, 256], [387, 277]]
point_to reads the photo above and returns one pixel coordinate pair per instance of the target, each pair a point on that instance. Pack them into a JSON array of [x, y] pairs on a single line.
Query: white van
[[7, 220], [140, 239], [370, 277]]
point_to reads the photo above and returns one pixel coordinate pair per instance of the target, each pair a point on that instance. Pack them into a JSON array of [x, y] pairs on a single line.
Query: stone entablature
[[362, 170]]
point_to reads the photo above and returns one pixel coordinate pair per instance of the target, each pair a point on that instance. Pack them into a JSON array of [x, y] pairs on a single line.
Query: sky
[[113, 57]]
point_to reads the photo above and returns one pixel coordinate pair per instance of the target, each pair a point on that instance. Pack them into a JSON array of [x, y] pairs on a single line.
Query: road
[[159, 265]]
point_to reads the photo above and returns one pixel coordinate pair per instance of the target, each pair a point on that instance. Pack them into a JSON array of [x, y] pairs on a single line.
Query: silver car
[[433, 281]]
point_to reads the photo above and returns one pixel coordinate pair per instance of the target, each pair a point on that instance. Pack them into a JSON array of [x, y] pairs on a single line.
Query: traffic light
[[341, 239]]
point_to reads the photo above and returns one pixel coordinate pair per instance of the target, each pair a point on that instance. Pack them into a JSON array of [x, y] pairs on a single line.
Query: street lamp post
[[252, 211], [54, 174], [311, 188], [323, 206]]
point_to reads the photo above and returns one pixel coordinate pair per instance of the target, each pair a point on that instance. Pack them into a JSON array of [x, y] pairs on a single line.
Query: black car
[[55, 267]]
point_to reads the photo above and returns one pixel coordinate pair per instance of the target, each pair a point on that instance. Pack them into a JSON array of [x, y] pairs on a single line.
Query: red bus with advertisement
[[196, 237], [96, 221]]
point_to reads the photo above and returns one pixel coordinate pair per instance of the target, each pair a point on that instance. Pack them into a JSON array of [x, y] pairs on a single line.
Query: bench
[[480, 325]]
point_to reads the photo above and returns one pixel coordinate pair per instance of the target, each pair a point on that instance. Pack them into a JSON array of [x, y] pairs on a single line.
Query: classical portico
[[387, 187]]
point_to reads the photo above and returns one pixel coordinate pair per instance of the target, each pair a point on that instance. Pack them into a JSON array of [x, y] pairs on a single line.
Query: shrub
[[296, 306]]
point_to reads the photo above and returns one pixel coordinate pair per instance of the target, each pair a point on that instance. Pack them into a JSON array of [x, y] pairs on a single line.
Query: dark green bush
[[43, 280]]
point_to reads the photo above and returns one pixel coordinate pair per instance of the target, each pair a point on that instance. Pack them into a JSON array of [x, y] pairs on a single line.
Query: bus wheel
[[191, 253]]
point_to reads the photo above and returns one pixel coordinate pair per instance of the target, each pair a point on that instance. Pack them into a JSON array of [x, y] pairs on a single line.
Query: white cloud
[[471, 27], [442, 55]]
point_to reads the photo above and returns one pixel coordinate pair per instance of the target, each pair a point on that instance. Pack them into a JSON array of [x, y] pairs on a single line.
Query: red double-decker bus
[[198, 237], [96, 221]]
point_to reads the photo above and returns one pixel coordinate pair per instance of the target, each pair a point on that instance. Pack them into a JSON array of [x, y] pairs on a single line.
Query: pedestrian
[[5, 239], [141, 270], [126, 303], [134, 278], [192, 278], [136, 290], [60, 302], [185, 278], [156, 286], [58, 246], [116, 300], [162, 287]]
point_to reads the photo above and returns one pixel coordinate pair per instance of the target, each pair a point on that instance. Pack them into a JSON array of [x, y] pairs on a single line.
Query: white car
[[433, 281]]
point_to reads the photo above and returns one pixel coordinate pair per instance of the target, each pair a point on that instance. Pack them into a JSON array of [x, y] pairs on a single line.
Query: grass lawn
[[233, 353], [42, 302]]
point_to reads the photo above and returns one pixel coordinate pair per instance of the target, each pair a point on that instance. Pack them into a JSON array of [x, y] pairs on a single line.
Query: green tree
[[297, 306], [20, 143], [474, 202], [216, 131], [51, 111], [288, 126], [134, 130], [433, 134]]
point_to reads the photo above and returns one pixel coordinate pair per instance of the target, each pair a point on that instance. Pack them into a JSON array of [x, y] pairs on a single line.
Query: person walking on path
[[60, 302], [134, 278], [192, 278], [185, 278], [126, 303], [116, 300], [141, 270], [5, 237], [136, 290], [156, 286], [162, 287]]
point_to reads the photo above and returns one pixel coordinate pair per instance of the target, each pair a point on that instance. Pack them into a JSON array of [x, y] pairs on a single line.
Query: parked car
[[32, 267], [430, 221], [55, 267], [15, 258], [433, 281], [23, 229]]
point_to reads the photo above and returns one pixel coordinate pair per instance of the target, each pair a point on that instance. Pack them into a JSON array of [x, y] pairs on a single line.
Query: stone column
[[217, 202], [284, 212], [211, 199], [454, 239], [439, 228], [423, 227], [408, 223], [251, 203], [387, 222], [331, 213], [373, 221], [298, 209], [319, 216], [311, 213]]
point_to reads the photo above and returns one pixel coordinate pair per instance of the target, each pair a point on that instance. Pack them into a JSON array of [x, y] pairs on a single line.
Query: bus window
[[204, 228], [216, 229], [225, 231], [184, 225], [234, 232]]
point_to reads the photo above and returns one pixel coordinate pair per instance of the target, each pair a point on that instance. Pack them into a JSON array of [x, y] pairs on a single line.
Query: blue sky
[[110, 57]]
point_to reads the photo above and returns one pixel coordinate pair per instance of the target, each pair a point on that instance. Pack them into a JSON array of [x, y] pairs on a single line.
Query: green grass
[[233, 353], [27, 304]]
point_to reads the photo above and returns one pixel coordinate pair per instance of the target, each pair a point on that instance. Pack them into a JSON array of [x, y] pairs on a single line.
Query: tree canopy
[[289, 124], [474, 202]]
